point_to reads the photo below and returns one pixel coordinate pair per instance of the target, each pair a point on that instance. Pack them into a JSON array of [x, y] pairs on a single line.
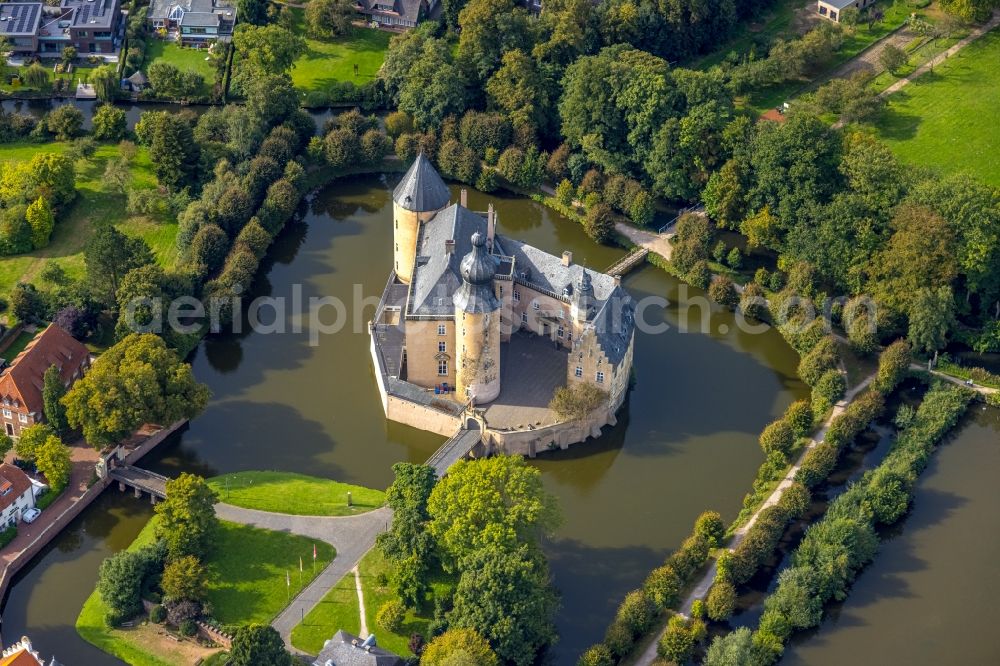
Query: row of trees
[[834, 549], [482, 523]]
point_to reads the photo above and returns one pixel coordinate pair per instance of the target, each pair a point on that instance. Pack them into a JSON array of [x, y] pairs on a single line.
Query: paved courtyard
[[531, 369]]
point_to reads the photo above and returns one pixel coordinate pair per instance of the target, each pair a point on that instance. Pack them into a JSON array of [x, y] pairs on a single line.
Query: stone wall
[[421, 416], [561, 435]]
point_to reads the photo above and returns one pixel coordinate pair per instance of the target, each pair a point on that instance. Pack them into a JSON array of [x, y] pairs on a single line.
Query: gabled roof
[[443, 243], [21, 384], [13, 484], [421, 189]]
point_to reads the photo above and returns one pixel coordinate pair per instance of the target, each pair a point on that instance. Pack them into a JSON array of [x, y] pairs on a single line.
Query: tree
[[186, 518], [375, 146], [490, 29], [599, 222], [892, 366], [723, 291], [68, 54], [326, 19], [184, 578], [119, 582], [31, 440], [53, 390], [721, 600], [733, 649], [41, 220], [53, 460], [253, 11], [35, 76], [892, 57], [6, 444], [493, 503], [255, 644], [887, 494], [268, 49], [709, 526], [970, 10], [106, 85], [459, 647], [341, 148], [636, 612], [433, 87], [27, 304], [172, 147], [779, 437], [799, 416], [109, 123], [138, 380], [577, 401], [932, 316], [679, 639], [828, 390], [398, 123], [65, 122], [210, 247], [596, 655], [662, 586], [390, 615], [109, 255], [521, 90], [505, 595]]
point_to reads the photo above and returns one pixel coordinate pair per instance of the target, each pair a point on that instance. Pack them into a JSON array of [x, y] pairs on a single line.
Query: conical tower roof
[[421, 189]]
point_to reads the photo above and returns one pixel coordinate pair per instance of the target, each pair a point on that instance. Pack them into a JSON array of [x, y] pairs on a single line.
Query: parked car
[[30, 515]]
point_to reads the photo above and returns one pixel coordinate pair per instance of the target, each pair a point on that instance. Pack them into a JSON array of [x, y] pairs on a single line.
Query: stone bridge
[[141, 481], [456, 448]]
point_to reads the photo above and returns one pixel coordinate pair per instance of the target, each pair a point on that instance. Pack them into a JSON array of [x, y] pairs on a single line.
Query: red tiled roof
[[13, 478], [21, 384]]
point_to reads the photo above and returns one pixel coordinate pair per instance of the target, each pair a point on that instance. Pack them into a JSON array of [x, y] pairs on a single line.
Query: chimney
[[567, 259], [464, 198], [491, 226], [618, 280], [449, 246]]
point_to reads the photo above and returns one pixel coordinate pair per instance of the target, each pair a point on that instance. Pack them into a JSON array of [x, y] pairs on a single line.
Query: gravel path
[[352, 536]]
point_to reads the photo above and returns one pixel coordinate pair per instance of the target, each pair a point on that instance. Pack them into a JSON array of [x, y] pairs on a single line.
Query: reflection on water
[[685, 440], [930, 595]]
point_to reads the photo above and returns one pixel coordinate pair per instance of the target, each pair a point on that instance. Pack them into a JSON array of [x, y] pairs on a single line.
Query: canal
[[685, 441]]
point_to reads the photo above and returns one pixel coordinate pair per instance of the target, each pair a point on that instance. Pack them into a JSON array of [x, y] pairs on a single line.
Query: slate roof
[[436, 275], [475, 295], [839, 4], [341, 651], [422, 189], [160, 9], [406, 9]]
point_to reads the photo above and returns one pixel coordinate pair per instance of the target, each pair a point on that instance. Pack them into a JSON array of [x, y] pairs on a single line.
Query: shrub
[[710, 527], [565, 192], [892, 366], [636, 612], [721, 600], [777, 436], [799, 416], [679, 639], [794, 502], [818, 360], [699, 275], [619, 639], [157, 614], [888, 494], [596, 655], [753, 303], [735, 258], [188, 628], [690, 557], [817, 464], [390, 615], [599, 223], [397, 123], [577, 401], [723, 291], [828, 390], [662, 586], [180, 611]]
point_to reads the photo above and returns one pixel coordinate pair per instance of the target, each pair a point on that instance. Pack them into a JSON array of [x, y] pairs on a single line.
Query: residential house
[[345, 649], [196, 22], [90, 26], [21, 402], [396, 13], [832, 9], [16, 495]]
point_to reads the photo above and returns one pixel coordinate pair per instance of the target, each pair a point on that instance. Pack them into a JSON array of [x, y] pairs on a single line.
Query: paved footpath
[[702, 587], [352, 536]]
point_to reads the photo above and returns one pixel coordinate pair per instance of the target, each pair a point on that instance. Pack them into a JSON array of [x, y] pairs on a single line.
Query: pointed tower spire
[[421, 189]]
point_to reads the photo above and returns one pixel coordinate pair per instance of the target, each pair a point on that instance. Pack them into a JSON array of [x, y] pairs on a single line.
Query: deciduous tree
[[186, 518]]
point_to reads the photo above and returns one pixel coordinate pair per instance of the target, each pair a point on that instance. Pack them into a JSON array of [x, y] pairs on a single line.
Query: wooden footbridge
[[628, 262], [141, 481]]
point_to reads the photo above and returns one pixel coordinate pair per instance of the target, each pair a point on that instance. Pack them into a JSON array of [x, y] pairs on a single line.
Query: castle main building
[[471, 318]]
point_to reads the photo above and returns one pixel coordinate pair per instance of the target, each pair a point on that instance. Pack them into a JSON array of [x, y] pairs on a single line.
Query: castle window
[[441, 329], [443, 368], [6, 413], [579, 371], [600, 377], [500, 289], [517, 296], [535, 305], [442, 346], [397, 223], [524, 317], [560, 332], [570, 336]]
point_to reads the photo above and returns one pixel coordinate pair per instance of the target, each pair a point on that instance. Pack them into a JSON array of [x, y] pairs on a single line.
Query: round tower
[[418, 197], [477, 326]]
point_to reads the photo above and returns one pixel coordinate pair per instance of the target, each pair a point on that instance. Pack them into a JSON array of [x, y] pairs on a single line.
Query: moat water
[[685, 441]]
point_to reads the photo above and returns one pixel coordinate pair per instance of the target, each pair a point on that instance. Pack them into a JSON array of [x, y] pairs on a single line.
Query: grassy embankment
[[93, 205], [297, 494], [246, 571], [339, 609]]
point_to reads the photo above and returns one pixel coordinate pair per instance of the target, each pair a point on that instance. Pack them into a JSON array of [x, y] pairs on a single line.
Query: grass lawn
[[298, 494], [16, 347], [93, 204], [777, 23], [947, 118], [327, 62], [246, 571], [184, 59], [339, 610]]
